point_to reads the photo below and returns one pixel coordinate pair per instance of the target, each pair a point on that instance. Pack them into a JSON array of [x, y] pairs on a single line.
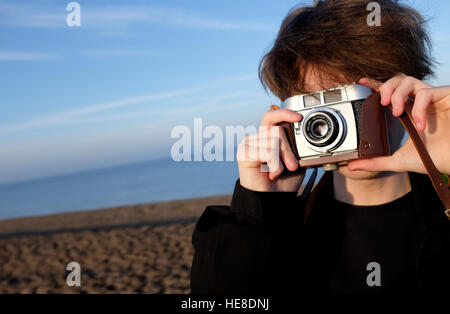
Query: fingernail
[[293, 163], [419, 125], [289, 163]]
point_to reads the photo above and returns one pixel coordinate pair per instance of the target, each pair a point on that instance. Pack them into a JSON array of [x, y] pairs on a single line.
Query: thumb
[[385, 163]]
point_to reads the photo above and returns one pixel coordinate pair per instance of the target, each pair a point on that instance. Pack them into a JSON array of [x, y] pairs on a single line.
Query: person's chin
[[358, 175]]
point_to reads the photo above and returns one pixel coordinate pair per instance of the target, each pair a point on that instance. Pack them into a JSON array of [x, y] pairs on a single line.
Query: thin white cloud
[[72, 116], [12, 56], [119, 17], [221, 102], [106, 53], [27, 56], [61, 118], [27, 15]]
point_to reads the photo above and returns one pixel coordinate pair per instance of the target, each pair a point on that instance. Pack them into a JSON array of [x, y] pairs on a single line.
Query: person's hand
[[431, 114], [269, 147]]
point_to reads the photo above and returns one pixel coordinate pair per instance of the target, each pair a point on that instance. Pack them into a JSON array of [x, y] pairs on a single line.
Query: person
[[375, 225]]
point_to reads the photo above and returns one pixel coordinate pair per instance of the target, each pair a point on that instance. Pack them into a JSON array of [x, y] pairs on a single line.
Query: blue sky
[[110, 91]]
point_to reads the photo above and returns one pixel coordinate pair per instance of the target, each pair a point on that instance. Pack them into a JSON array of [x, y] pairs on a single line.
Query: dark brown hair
[[333, 36]]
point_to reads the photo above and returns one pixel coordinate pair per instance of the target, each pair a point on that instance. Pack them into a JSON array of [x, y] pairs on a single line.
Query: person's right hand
[[269, 146]]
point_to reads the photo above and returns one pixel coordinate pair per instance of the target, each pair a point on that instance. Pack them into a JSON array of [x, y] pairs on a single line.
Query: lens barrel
[[322, 128]]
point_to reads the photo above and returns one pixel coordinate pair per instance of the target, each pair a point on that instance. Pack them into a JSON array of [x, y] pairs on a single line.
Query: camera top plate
[[345, 93]]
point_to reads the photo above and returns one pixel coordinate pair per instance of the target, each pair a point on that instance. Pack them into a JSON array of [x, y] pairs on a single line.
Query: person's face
[[315, 82]]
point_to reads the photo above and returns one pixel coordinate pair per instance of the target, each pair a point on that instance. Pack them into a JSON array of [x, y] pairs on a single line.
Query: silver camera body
[[331, 121]]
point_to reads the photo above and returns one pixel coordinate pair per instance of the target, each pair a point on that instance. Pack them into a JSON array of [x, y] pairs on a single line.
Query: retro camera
[[338, 125]]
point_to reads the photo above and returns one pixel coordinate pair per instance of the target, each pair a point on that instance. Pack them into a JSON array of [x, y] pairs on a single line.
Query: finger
[[388, 89], [404, 159], [424, 97], [263, 149], [267, 161], [287, 156], [252, 138], [274, 117], [385, 163], [373, 84], [441, 93], [269, 152], [275, 168], [277, 142], [264, 133], [248, 153], [255, 154], [248, 149], [400, 95]]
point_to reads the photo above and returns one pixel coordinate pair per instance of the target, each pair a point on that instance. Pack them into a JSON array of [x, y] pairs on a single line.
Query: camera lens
[[321, 128]]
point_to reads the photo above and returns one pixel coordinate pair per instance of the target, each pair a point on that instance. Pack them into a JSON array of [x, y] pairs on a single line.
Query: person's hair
[[333, 37]]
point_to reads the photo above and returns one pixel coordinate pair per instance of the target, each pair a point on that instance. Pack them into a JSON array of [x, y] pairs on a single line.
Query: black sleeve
[[246, 248]]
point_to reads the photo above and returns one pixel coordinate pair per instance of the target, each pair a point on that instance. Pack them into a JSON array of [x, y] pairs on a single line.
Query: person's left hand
[[431, 114]]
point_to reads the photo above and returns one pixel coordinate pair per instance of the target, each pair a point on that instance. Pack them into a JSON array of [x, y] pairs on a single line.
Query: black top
[[261, 245], [379, 248]]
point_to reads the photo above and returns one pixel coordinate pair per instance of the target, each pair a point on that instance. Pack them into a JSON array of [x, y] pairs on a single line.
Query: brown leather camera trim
[[374, 138], [335, 159]]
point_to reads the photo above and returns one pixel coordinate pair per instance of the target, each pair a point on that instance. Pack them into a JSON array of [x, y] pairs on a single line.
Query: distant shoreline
[[160, 180], [122, 216]]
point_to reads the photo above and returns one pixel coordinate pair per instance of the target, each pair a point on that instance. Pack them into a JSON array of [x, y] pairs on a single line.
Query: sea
[[138, 183]]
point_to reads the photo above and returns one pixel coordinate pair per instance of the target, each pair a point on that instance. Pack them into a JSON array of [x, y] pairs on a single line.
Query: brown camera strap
[[433, 173]]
